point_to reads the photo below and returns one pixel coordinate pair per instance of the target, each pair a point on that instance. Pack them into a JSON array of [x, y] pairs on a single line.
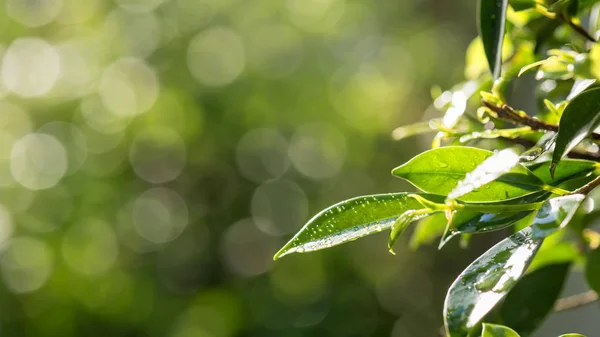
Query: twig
[[587, 188], [576, 27], [508, 113], [575, 301]]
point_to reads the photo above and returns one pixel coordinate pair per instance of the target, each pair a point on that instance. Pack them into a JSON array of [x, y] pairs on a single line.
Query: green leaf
[[579, 86], [532, 299], [572, 335], [495, 330], [411, 130], [491, 276], [438, 171], [350, 220], [521, 5], [467, 221], [592, 270], [566, 170], [403, 222], [428, 229], [578, 121], [491, 22]]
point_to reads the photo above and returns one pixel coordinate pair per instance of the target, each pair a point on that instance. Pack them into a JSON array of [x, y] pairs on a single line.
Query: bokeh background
[[155, 154]]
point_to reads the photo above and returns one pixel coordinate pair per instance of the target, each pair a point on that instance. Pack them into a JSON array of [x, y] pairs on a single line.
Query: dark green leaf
[[489, 278], [350, 220], [495, 330], [521, 5], [438, 171], [565, 170], [592, 270], [532, 299], [466, 221], [491, 22], [578, 121]]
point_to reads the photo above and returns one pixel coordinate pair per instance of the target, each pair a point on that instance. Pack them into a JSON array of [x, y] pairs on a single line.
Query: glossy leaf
[[579, 86], [495, 330], [592, 270], [490, 169], [350, 220], [438, 171], [466, 221], [491, 276], [491, 22], [578, 121], [400, 225], [566, 170], [532, 299], [572, 335]]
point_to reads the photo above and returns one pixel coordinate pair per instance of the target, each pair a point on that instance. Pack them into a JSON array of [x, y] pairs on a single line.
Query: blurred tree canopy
[[155, 154]]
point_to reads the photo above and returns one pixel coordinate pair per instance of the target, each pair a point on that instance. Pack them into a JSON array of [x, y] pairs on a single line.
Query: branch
[[587, 188], [576, 27], [575, 301], [507, 113]]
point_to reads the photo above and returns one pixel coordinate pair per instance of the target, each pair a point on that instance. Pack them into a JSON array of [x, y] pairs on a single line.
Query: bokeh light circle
[[158, 155], [159, 215], [33, 13], [26, 264], [30, 67], [216, 57], [128, 87], [6, 225], [246, 250], [279, 207], [72, 138], [139, 6], [38, 161], [262, 155], [90, 247], [318, 151]]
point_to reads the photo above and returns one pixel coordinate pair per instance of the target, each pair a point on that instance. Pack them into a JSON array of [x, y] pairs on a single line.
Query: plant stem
[[577, 28], [508, 113], [575, 301], [587, 188]]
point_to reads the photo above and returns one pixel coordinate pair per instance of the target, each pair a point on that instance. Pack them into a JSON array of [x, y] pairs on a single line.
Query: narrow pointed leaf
[[489, 278], [578, 121], [566, 170], [491, 22], [572, 335], [403, 222], [532, 299], [438, 171], [350, 220], [495, 330]]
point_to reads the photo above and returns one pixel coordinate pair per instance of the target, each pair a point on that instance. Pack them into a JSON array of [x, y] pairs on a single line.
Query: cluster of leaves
[[534, 180]]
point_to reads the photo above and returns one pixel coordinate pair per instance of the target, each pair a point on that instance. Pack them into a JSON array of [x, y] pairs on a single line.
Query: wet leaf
[[491, 276], [566, 170], [491, 22], [592, 270], [495, 330], [400, 225], [350, 220], [466, 221], [532, 299], [438, 171], [578, 121]]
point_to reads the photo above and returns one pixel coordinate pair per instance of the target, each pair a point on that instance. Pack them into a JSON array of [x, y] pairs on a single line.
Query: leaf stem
[[576, 27], [587, 188]]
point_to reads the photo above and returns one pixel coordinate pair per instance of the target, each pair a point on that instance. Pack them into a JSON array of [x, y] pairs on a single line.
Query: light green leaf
[[428, 229], [350, 220], [490, 169], [400, 225], [411, 130], [495, 330], [532, 299], [491, 276], [566, 170], [496, 133], [491, 22], [572, 335], [438, 171], [578, 121]]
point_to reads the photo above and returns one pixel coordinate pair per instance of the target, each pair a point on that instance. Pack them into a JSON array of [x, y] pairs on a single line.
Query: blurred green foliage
[[155, 154]]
